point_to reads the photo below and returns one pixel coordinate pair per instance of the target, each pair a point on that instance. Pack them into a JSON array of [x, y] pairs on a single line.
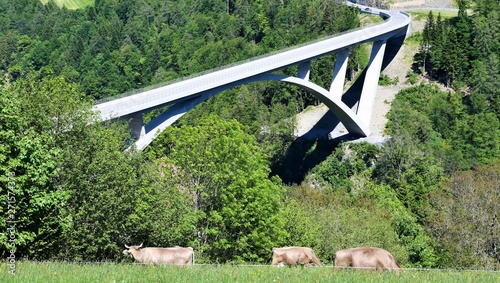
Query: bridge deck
[[192, 87]]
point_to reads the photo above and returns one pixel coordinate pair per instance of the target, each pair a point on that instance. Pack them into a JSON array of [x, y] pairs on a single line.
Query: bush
[[385, 80], [412, 78]]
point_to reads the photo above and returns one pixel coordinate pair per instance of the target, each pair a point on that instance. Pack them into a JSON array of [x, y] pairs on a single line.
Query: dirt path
[[399, 67]]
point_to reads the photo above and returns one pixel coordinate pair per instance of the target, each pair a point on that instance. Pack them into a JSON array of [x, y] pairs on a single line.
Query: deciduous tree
[[227, 175], [466, 219]]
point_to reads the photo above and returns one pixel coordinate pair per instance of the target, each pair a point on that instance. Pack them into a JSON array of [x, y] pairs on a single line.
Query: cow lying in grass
[[292, 256], [173, 256], [366, 258]]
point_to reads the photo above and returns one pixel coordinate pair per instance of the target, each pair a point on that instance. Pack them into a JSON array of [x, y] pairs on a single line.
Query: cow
[[173, 256], [366, 257], [292, 256]]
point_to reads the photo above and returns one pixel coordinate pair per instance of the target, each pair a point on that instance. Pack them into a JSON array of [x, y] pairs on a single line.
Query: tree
[[411, 173], [477, 137], [117, 198], [485, 74], [437, 47], [341, 166], [34, 117], [226, 174], [427, 39], [465, 220]]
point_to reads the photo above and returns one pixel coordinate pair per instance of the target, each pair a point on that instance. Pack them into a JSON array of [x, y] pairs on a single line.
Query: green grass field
[[423, 14], [71, 4], [71, 272]]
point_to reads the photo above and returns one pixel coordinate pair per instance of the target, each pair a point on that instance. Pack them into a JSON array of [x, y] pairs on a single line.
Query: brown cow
[[294, 255], [174, 256], [366, 257]]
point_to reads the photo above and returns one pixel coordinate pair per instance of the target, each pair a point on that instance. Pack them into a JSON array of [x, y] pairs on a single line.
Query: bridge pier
[[304, 70], [339, 71], [167, 118], [370, 84], [136, 124]]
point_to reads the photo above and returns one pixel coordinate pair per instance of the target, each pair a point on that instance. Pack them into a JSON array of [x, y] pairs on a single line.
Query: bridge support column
[[337, 86], [167, 118], [304, 70], [136, 124], [367, 99]]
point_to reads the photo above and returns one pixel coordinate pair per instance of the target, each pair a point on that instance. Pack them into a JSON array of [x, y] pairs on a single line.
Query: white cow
[[174, 255]]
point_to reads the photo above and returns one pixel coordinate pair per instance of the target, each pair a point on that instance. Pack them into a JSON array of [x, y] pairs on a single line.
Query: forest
[[230, 179]]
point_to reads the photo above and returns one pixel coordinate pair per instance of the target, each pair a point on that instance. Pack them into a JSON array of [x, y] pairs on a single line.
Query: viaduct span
[[353, 108]]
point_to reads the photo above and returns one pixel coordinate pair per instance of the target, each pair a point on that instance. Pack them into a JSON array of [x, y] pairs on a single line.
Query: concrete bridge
[[353, 108]]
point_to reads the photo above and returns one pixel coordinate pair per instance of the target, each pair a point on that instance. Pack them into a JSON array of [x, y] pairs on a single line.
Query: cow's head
[[131, 249]]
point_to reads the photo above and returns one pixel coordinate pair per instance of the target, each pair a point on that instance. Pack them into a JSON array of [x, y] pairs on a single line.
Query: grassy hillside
[[71, 4]]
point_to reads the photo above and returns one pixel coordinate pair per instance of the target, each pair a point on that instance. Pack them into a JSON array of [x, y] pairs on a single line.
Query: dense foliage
[[453, 134], [428, 194], [77, 194], [226, 175], [465, 51], [465, 218]]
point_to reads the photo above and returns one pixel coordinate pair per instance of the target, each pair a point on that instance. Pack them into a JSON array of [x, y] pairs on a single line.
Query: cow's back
[[172, 256], [366, 257]]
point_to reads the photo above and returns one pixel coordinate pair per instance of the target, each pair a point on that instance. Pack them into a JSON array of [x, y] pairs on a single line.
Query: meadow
[[27, 271], [421, 15], [71, 4]]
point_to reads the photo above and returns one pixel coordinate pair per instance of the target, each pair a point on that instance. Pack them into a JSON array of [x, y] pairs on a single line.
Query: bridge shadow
[[310, 149], [318, 143]]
